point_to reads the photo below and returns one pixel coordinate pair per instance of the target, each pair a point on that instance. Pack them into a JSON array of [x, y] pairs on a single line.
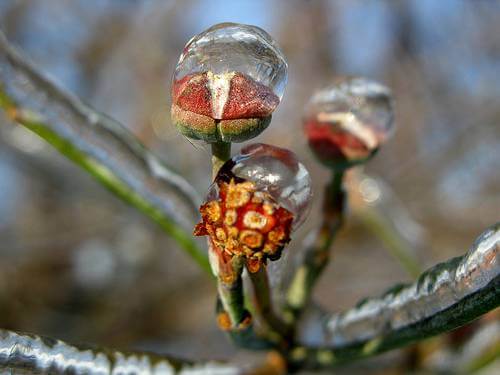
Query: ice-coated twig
[[230, 290], [445, 297], [35, 354], [263, 305], [318, 254], [100, 145]]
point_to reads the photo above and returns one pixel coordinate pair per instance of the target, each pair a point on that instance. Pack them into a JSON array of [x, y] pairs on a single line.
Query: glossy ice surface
[[276, 171], [30, 354], [348, 121], [228, 81], [441, 295], [245, 222], [231, 47]]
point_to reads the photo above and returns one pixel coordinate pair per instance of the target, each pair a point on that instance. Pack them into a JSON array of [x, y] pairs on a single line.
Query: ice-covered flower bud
[[228, 81], [257, 199], [345, 123]]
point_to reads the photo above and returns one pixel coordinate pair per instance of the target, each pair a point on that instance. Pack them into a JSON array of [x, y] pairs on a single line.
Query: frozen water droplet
[[230, 71], [348, 121], [276, 171]]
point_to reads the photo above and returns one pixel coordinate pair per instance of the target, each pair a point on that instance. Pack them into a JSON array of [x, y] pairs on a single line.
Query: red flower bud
[[258, 198], [245, 222], [346, 123], [228, 81]]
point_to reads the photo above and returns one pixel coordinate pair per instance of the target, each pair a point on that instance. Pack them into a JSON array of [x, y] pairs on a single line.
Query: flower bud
[[346, 122], [228, 81], [257, 199]]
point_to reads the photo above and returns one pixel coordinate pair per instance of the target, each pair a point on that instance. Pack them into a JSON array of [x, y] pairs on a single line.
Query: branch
[[36, 354], [317, 255], [263, 305], [100, 145], [444, 297]]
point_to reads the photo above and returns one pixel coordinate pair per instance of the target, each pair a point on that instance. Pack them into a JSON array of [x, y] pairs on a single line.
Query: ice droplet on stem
[[257, 199], [276, 171]]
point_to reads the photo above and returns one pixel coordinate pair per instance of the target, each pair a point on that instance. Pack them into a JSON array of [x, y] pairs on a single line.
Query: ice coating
[[276, 171], [256, 201], [440, 296], [226, 48], [242, 221], [24, 353], [227, 96], [227, 83], [346, 122]]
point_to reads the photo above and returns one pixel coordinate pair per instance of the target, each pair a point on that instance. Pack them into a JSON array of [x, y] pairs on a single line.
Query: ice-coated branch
[[317, 255], [443, 298], [100, 145], [263, 304], [35, 354]]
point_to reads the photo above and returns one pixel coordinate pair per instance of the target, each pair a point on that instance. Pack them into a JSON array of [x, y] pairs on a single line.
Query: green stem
[[231, 294], [231, 303], [395, 245], [318, 255], [221, 152], [245, 336], [275, 327]]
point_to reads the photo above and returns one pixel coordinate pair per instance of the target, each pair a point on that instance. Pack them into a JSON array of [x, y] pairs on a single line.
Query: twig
[[221, 152], [35, 354], [443, 298], [100, 145], [231, 295], [317, 256], [275, 327]]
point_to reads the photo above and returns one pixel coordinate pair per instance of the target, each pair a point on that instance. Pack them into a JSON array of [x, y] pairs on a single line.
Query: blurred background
[[78, 264]]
